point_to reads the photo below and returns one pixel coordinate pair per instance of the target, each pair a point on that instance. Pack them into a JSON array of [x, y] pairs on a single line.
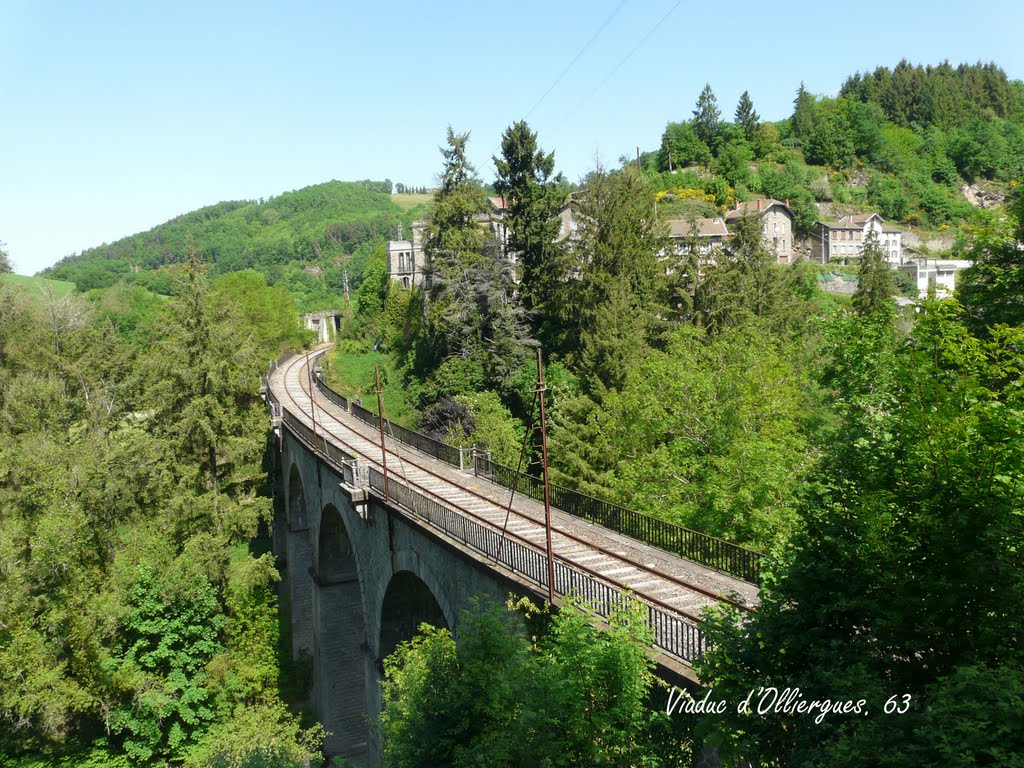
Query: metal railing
[[722, 555], [738, 561], [428, 445], [678, 637], [335, 397], [672, 634]]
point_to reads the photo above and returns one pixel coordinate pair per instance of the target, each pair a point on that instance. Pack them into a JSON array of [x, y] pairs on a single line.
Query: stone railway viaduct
[[360, 572]]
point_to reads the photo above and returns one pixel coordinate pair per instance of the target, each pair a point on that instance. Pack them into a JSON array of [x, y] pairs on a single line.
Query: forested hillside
[[304, 240], [902, 142], [138, 621], [876, 454]]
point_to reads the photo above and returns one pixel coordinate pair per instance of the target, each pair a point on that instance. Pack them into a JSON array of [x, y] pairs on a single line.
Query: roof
[[854, 221], [754, 207], [500, 203], [704, 228]]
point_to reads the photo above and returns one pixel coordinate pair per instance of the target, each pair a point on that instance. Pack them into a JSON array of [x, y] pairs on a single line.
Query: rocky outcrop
[[982, 198]]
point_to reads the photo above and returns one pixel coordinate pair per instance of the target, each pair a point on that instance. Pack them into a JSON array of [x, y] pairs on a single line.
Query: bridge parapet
[[733, 559]]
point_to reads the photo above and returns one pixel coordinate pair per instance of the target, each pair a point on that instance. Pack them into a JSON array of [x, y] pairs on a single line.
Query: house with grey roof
[[776, 224], [844, 240], [709, 234]]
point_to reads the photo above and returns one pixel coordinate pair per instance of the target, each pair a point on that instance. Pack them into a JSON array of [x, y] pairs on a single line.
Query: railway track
[[604, 555]]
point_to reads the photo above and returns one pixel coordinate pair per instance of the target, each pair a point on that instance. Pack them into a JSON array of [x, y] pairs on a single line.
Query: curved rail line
[[689, 585], [684, 584]]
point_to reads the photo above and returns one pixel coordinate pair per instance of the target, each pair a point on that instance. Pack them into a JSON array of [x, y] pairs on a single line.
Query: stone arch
[[297, 586], [297, 507], [339, 637], [408, 602], [336, 557]]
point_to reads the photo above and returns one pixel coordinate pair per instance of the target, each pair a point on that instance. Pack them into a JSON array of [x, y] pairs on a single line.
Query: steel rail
[[679, 582]]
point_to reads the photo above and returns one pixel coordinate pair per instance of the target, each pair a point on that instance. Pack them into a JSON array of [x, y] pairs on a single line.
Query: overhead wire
[[619, 66], [576, 58]]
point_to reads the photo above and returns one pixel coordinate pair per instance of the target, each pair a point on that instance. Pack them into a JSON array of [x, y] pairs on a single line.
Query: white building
[[406, 259], [940, 273], [844, 240]]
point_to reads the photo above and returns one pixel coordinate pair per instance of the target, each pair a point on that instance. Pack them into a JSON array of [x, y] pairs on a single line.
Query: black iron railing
[[672, 634], [681, 638], [335, 397], [428, 445], [741, 562], [733, 559]]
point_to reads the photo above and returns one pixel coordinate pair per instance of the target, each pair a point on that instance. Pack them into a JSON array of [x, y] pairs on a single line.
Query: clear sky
[[118, 116]]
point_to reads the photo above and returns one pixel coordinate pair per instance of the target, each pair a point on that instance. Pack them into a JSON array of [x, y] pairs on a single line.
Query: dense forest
[[308, 241], [876, 454], [902, 142], [138, 620]]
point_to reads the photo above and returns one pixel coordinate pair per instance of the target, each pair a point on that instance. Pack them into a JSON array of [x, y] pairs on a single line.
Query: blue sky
[[120, 115]]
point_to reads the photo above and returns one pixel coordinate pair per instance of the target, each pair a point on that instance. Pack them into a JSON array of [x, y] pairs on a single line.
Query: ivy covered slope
[[904, 142], [304, 240]]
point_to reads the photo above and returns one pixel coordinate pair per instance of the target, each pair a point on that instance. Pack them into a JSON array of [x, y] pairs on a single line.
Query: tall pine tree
[[876, 282], [532, 196], [705, 117], [746, 116]]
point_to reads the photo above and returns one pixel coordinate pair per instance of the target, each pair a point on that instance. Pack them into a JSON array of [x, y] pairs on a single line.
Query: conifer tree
[[608, 309], [472, 312], [532, 196], [876, 282], [802, 121], [746, 116], [705, 117]]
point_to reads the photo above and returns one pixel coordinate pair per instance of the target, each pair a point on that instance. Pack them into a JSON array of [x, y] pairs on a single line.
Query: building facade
[[776, 224], [406, 260], [710, 235], [939, 274], [844, 240]]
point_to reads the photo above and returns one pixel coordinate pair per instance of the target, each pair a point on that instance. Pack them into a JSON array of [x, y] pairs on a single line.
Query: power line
[[627, 57], [577, 56]]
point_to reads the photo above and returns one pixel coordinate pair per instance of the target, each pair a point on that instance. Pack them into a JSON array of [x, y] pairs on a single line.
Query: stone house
[[776, 224], [844, 240], [406, 259], [710, 233]]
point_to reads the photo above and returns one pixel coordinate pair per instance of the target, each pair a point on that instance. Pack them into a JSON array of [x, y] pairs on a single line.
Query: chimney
[[787, 202], [759, 201]]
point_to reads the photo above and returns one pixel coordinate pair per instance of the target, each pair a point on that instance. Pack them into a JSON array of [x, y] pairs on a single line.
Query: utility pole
[[312, 413], [383, 450], [638, 159], [347, 300], [547, 486]]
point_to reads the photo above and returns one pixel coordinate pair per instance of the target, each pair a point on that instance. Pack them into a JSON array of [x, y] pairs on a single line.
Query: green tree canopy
[[746, 116], [706, 116], [533, 195]]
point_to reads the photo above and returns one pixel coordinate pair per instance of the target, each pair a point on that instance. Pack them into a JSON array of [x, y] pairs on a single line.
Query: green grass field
[[411, 201], [352, 374], [38, 287]]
